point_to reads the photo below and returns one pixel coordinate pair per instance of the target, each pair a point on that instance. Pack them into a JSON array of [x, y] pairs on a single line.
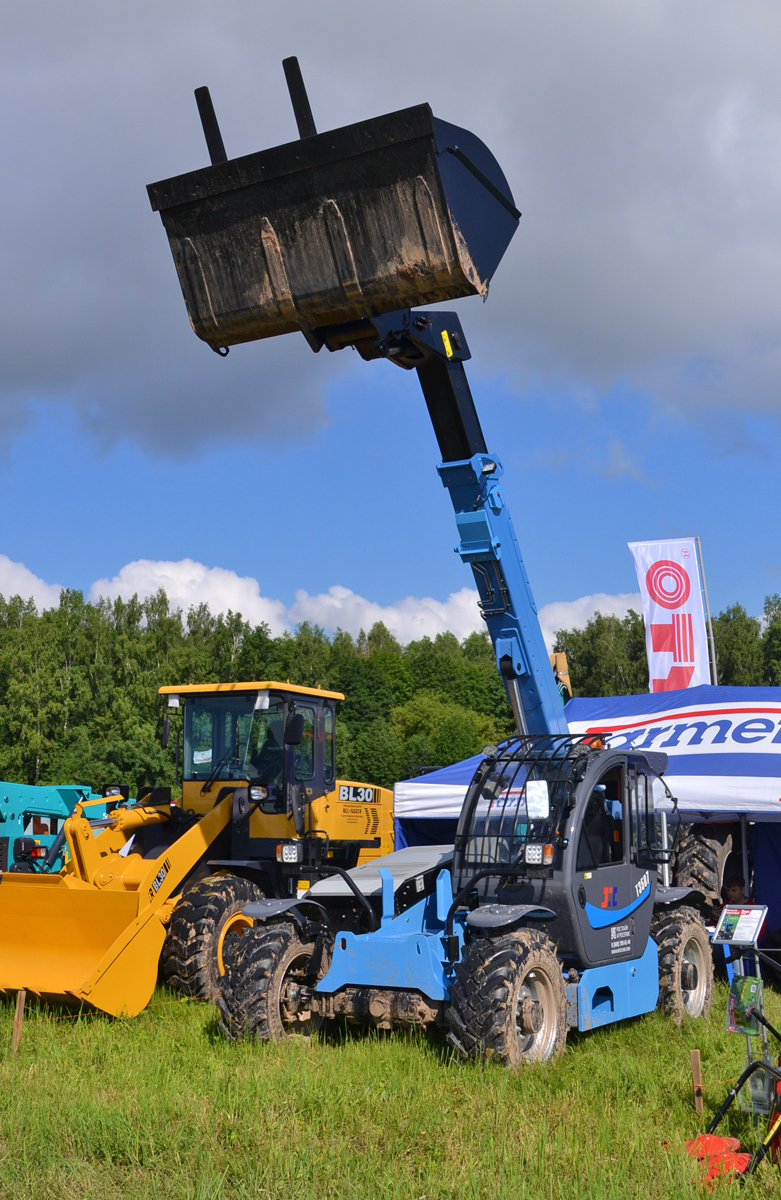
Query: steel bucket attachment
[[77, 945], [397, 211], [93, 934]]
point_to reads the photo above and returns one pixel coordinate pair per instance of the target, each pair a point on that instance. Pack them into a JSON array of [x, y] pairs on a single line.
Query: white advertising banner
[[676, 638]]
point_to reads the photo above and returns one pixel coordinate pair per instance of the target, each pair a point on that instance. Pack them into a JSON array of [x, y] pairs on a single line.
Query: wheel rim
[[694, 977], [295, 994], [536, 1017]]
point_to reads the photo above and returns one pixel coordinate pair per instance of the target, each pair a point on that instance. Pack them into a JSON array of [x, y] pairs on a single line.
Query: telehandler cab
[[155, 885], [547, 913]]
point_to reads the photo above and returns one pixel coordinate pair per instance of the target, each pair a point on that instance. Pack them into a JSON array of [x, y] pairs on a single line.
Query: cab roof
[[265, 685]]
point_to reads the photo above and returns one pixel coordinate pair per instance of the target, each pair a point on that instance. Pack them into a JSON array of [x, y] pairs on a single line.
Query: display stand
[[739, 929]]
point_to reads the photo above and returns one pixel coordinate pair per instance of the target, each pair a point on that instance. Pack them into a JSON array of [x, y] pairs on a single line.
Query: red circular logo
[[668, 583]]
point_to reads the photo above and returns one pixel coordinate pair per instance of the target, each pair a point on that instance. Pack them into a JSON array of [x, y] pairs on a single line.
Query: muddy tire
[[266, 985], [508, 1000], [192, 953], [701, 857], [685, 964]]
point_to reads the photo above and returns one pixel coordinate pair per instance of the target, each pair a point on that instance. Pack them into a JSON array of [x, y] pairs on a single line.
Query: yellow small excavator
[[153, 887]]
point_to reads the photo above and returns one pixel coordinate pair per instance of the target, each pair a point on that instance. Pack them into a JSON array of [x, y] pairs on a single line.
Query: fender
[[497, 916], [266, 910], [677, 895]]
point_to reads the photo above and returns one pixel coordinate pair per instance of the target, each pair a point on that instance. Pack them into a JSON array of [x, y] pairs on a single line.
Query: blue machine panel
[[603, 995], [399, 954]]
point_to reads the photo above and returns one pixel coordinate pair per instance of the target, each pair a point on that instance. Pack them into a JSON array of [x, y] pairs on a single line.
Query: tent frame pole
[[744, 851]]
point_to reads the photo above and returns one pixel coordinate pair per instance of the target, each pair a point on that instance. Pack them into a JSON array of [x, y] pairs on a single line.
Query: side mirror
[[166, 732], [537, 800], [294, 730]]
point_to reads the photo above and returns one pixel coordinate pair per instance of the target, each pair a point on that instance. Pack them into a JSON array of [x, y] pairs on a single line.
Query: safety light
[[290, 852], [539, 856], [38, 852]]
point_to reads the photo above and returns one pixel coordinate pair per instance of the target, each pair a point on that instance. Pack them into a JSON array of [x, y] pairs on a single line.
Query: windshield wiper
[[231, 752]]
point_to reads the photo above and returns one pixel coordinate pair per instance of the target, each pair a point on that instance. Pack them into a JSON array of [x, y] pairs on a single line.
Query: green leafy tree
[[738, 639], [771, 641], [608, 657]]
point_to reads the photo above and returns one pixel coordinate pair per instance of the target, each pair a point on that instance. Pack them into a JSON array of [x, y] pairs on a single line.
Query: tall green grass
[[160, 1107]]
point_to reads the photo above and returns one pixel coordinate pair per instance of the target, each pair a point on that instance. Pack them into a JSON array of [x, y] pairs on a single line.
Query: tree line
[[79, 683]]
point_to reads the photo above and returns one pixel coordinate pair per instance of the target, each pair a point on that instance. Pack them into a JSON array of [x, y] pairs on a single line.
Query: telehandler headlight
[[290, 852], [539, 856], [257, 794]]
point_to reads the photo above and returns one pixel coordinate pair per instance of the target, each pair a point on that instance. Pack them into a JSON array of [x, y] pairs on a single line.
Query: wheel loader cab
[[273, 747], [275, 739]]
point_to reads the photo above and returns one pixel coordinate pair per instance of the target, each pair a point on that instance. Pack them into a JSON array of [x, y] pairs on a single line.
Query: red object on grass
[[707, 1144]]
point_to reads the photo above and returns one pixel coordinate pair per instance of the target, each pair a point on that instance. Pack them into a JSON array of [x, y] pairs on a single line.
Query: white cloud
[[188, 583], [408, 619], [17, 580], [575, 614]]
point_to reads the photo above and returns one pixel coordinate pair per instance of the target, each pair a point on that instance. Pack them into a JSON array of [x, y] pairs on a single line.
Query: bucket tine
[[298, 98], [211, 130]]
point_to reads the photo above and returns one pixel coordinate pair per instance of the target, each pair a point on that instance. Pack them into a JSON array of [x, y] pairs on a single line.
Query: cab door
[[609, 890]]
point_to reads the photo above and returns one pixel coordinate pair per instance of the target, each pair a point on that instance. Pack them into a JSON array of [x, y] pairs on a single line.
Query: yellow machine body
[[94, 932]]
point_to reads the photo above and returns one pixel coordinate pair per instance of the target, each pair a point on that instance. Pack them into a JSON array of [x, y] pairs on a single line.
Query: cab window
[[602, 833], [305, 752]]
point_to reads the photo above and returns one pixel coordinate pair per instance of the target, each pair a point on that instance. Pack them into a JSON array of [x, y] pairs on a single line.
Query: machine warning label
[[620, 939], [353, 795]]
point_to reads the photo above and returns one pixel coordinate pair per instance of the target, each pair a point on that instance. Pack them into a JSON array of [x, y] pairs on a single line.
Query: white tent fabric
[[723, 746]]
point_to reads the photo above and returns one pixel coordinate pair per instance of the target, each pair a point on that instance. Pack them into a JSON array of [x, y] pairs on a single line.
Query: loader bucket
[[61, 943], [389, 213]]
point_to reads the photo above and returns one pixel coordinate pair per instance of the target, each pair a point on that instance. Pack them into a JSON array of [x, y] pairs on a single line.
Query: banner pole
[[713, 669]]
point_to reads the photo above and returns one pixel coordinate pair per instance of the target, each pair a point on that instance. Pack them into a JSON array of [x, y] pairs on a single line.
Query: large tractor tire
[[508, 1001], [701, 857], [267, 984], [685, 963], [192, 961]]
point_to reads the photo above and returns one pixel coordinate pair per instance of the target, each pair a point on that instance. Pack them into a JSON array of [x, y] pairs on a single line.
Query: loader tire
[[192, 954], [685, 963], [508, 1001], [266, 985], [701, 857]]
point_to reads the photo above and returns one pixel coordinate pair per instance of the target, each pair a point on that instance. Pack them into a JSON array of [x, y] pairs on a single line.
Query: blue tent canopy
[[723, 746]]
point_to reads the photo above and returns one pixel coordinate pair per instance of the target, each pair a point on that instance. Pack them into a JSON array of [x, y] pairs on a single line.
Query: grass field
[[161, 1107]]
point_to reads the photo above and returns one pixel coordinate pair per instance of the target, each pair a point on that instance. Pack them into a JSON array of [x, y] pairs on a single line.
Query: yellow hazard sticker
[[446, 343]]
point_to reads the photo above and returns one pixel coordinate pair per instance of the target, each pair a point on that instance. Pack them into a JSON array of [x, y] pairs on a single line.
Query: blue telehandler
[[553, 908]]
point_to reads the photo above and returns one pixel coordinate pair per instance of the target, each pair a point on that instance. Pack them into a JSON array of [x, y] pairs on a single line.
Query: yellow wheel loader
[[154, 886]]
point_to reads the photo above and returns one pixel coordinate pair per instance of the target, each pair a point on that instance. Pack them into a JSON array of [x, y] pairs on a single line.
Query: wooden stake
[[694, 1055], [16, 1037]]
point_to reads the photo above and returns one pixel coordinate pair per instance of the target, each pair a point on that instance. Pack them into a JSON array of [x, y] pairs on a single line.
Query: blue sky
[[625, 365]]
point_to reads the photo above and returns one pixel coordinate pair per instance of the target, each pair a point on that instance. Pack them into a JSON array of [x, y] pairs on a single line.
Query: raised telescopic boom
[[433, 344]]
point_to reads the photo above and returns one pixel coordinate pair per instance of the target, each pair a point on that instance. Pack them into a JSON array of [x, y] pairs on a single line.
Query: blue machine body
[[38, 812], [409, 952], [417, 949]]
